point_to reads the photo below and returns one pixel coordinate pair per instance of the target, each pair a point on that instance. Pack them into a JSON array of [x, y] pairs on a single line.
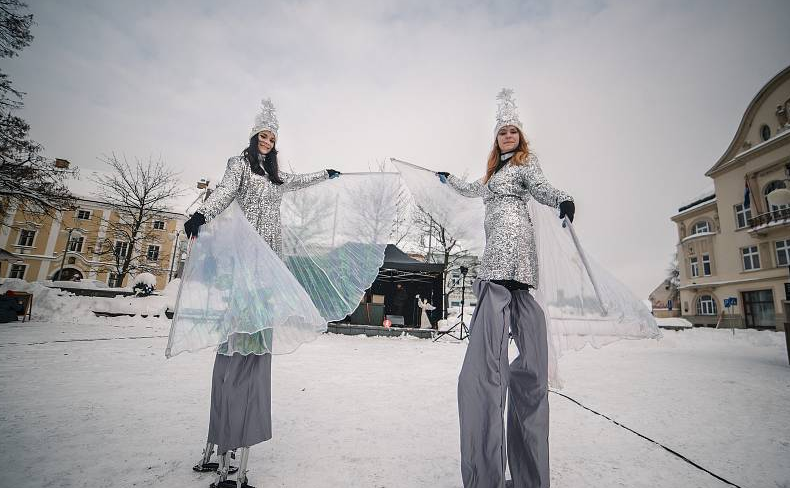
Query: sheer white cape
[[236, 293], [583, 303]]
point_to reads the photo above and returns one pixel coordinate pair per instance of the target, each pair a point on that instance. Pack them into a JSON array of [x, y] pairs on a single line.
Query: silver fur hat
[[266, 119], [507, 111]]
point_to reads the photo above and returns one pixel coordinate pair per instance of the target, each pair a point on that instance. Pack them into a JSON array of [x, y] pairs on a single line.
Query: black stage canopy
[[416, 278]]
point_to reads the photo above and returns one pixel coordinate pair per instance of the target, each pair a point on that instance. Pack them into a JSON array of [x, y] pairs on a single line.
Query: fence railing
[[768, 217]]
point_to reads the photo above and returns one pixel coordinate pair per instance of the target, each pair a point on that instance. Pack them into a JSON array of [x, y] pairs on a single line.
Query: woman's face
[[507, 138], [265, 141]]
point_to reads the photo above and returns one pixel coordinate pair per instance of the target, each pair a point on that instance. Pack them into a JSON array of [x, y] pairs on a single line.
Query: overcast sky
[[626, 103]]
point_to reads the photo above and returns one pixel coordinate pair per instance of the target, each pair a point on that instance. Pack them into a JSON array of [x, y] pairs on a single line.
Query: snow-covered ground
[[96, 403]]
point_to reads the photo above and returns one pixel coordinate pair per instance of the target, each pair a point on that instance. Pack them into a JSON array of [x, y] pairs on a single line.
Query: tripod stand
[[464, 332]]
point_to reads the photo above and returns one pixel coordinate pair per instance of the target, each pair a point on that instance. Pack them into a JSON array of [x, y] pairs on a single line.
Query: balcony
[[777, 220]]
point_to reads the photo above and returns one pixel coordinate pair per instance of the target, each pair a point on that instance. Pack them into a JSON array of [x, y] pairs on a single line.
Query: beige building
[[40, 245], [664, 300], [732, 249]]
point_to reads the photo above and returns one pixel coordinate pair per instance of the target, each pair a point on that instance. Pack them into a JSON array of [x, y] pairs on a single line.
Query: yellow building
[[79, 233], [732, 249]]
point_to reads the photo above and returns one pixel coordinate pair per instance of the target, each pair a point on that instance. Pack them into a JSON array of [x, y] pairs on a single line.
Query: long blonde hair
[[520, 157]]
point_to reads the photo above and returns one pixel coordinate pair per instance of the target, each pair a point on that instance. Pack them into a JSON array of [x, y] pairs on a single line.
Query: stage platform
[[374, 330]]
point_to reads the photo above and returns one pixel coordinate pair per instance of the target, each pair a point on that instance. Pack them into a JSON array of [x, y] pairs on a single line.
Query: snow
[[698, 234], [95, 402], [82, 285], [54, 304], [676, 322], [145, 278], [709, 191], [695, 207]]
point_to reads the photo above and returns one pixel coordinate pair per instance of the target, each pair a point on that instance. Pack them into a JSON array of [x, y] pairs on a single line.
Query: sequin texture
[[258, 197], [510, 252]]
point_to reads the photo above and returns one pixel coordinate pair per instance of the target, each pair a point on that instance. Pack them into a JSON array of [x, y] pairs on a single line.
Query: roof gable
[[740, 134]]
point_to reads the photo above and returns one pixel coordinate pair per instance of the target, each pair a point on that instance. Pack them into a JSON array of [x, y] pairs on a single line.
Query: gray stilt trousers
[[241, 401], [483, 387]]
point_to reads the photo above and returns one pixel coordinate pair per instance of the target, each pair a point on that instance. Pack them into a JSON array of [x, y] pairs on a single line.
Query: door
[[758, 309]]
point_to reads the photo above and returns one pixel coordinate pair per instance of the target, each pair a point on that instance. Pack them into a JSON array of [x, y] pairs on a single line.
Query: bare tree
[[390, 214], [374, 222], [138, 194], [440, 246], [27, 179], [305, 214], [673, 275]]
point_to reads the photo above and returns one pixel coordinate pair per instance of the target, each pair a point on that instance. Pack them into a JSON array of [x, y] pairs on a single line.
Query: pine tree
[[27, 179]]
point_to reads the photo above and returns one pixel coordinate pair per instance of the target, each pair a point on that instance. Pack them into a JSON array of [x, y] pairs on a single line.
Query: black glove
[[568, 209], [442, 176], [192, 226], [333, 173]]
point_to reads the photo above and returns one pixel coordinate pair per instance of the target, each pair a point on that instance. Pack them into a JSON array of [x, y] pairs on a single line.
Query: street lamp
[[173, 259], [66, 251]]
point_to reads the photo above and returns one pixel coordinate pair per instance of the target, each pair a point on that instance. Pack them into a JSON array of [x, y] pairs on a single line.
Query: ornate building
[[734, 244], [69, 247]]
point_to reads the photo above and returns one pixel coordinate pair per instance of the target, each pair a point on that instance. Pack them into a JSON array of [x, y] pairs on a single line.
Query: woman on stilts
[[240, 414], [507, 271]]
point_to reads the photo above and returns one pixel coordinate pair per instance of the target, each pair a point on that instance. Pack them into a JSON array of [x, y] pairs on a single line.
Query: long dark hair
[[270, 166]]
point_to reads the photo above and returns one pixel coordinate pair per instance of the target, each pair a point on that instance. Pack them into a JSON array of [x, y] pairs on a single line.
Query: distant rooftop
[[704, 197]]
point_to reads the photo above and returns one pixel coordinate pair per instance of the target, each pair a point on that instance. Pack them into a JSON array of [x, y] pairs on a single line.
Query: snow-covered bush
[[144, 284]]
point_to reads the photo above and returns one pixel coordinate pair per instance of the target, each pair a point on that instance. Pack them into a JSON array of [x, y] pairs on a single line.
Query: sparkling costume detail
[[507, 110], [266, 119], [258, 197], [510, 252]]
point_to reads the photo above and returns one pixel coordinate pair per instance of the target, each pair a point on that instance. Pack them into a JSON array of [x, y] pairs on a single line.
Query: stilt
[[222, 470], [222, 473], [241, 479], [205, 465]]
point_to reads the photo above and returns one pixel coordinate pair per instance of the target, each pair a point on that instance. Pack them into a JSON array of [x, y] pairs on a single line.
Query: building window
[[113, 281], [765, 132], [17, 271], [84, 214], [75, 244], [783, 253], [751, 258], [706, 305], [153, 253], [694, 267], [26, 237], [742, 215], [121, 248], [705, 265], [701, 226], [159, 224]]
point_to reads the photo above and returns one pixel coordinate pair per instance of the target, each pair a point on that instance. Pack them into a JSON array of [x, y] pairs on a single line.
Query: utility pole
[[173, 258], [65, 251]]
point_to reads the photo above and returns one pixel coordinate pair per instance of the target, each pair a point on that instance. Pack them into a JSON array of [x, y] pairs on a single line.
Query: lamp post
[[66, 251], [173, 258]]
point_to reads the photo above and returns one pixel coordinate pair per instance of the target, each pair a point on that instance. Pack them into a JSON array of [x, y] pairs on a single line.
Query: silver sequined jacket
[[510, 252], [258, 197]]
